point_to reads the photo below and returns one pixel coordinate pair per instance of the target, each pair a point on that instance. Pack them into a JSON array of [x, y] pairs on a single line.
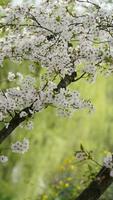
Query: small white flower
[[20, 147], [25, 145], [3, 159], [6, 125], [11, 76], [23, 114], [108, 161], [29, 125], [111, 173], [80, 156], [31, 111], [20, 76]]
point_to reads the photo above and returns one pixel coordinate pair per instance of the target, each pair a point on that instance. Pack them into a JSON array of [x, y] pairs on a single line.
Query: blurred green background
[[49, 170]]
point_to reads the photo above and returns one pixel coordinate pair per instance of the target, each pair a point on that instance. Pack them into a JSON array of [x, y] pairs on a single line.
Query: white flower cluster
[[80, 155], [50, 32], [16, 99], [61, 42], [11, 76], [3, 159], [20, 147], [108, 163]]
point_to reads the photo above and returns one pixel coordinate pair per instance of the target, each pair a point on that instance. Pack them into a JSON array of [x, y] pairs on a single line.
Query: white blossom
[[108, 161], [23, 114], [80, 156], [11, 76], [56, 43], [20, 147], [3, 159], [20, 76], [29, 125]]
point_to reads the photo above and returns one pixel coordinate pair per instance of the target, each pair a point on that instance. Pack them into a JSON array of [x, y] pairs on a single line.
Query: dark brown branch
[[13, 124], [77, 79], [98, 186], [67, 80], [87, 1], [39, 25]]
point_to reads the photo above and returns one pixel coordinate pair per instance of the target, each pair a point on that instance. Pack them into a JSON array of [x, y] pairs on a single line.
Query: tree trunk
[[98, 186]]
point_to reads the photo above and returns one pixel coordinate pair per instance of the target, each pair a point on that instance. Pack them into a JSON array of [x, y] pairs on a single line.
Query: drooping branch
[[17, 120], [98, 186]]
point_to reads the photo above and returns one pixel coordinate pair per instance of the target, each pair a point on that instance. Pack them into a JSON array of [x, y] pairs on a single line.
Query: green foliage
[[4, 2]]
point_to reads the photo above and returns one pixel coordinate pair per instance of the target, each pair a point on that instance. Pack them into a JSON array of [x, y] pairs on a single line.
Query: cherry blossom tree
[[67, 41]]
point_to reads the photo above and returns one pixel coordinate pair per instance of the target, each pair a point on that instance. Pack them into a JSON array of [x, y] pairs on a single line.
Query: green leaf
[[81, 147]]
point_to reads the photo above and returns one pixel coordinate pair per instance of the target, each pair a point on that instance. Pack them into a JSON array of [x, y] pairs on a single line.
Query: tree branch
[[98, 186], [17, 120], [67, 80], [13, 124]]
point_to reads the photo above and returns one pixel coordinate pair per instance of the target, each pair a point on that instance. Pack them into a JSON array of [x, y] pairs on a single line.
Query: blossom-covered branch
[[65, 44], [13, 124], [29, 111]]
